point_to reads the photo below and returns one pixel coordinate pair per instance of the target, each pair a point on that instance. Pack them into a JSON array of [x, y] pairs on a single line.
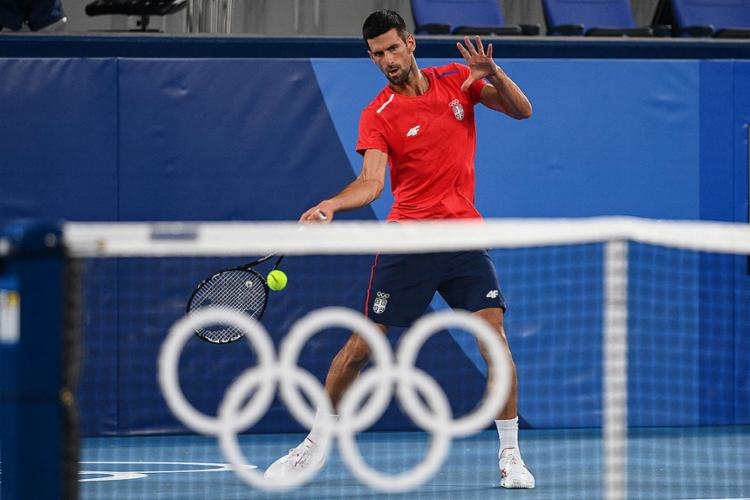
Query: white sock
[[316, 434], [507, 430]]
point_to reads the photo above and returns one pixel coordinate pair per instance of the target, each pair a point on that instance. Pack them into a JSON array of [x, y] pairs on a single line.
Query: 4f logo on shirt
[[381, 300], [458, 110], [492, 294], [413, 131]]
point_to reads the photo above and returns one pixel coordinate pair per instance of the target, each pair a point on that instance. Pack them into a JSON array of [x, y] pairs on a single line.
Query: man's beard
[[401, 78]]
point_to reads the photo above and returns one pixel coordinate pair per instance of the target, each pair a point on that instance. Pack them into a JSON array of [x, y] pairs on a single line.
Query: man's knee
[[494, 317]]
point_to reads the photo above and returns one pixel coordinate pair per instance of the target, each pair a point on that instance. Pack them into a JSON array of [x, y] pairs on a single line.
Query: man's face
[[393, 55]]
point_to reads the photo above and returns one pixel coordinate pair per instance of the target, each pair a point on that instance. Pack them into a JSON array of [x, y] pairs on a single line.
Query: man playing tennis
[[422, 123]]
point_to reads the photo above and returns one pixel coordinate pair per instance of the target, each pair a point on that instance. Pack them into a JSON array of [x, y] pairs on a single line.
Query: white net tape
[[240, 238]]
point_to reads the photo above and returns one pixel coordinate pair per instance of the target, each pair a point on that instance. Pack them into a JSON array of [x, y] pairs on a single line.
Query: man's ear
[[411, 42]]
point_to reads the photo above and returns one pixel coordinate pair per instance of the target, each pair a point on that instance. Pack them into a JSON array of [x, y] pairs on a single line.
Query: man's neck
[[417, 84]]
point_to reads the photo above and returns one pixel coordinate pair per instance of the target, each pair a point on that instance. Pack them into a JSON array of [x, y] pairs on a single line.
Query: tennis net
[[629, 337]]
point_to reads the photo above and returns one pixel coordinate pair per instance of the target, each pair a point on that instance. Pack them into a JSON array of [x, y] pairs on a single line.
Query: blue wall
[[666, 137], [208, 139]]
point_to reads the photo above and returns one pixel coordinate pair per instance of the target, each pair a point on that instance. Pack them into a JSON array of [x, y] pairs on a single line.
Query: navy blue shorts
[[402, 286]]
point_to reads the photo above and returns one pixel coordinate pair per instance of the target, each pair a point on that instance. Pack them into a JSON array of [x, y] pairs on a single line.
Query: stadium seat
[[592, 18], [465, 17], [704, 18], [141, 8]]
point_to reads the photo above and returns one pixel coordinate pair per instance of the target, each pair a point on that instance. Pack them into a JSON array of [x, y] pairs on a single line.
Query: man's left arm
[[503, 94]]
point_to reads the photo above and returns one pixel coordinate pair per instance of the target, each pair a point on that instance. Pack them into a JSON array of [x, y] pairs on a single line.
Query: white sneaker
[[513, 472], [305, 457]]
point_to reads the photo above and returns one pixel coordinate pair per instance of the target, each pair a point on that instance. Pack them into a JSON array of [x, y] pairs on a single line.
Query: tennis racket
[[241, 288]]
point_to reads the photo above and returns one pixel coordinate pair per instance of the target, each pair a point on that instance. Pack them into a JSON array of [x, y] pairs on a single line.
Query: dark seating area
[[143, 9], [587, 18], [479, 17], [705, 18], [576, 20]]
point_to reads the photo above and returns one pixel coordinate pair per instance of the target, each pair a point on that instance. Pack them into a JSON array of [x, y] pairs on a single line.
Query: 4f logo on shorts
[[492, 294], [458, 110], [381, 300]]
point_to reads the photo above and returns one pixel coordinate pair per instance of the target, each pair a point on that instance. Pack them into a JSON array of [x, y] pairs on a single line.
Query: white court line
[[125, 475], [111, 476]]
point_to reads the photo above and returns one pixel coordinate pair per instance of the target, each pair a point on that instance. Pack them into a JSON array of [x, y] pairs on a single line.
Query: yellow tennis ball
[[276, 280]]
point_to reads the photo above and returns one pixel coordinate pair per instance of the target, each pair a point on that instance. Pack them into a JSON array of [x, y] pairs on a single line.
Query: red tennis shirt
[[430, 141]]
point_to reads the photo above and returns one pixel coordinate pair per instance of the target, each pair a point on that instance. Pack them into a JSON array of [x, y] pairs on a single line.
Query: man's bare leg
[[513, 471], [344, 370], [346, 365], [494, 316]]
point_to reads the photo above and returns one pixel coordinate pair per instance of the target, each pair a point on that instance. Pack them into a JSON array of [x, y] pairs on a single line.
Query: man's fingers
[[470, 46], [489, 51], [322, 217], [463, 51], [308, 215], [480, 47], [316, 214]]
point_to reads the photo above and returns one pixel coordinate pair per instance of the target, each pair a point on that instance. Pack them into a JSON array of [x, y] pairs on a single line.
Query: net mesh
[[632, 360]]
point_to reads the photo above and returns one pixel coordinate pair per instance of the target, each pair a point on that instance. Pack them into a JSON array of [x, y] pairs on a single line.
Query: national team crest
[[458, 110], [381, 300]]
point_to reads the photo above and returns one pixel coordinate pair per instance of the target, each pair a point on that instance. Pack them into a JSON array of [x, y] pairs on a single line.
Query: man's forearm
[[508, 97], [359, 193]]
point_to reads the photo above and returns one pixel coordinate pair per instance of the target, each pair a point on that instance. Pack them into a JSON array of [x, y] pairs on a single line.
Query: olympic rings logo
[[377, 382]]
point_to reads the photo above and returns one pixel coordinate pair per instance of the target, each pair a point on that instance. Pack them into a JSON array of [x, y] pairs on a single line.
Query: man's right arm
[[365, 189]]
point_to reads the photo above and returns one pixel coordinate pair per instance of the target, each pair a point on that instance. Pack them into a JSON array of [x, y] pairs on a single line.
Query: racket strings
[[236, 289]]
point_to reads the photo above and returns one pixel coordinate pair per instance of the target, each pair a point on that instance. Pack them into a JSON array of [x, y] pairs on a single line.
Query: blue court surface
[[676, 463]]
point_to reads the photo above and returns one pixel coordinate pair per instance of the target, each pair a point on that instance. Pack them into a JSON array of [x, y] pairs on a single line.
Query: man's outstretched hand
[[479, 62]]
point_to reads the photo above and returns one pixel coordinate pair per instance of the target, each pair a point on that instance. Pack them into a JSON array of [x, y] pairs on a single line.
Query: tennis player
[[422, 123]]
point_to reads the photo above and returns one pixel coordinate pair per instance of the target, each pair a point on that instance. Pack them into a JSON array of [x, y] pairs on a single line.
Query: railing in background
[[209, 16]]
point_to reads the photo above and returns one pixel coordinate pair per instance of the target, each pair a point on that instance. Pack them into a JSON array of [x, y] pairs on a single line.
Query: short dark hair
[[382, 21]]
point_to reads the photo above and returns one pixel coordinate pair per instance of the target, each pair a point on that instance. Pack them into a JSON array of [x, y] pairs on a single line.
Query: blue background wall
[[208, 139]]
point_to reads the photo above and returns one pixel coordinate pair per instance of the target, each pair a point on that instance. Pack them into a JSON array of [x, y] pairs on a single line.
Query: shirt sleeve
[[371, 135], [475, 90]]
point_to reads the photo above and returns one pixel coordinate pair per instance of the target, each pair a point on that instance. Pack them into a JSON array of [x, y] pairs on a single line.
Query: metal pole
[[204, 18], [228, 16], [296, 16], [615, 370], [190, 21], [213, 14]]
